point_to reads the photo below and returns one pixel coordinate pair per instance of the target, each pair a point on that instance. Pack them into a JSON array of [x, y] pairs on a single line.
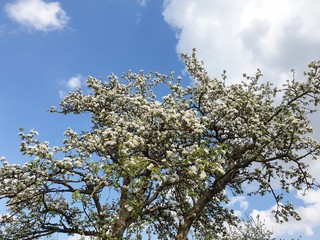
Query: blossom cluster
[[161, 164]]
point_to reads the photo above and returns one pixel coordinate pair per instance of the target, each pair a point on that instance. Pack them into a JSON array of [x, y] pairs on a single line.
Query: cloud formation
[[74, 82], [38, 14], [309, 212], [71, 84], [275, 36]]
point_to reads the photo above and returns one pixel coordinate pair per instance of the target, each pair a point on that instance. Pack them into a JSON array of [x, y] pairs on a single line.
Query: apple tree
[[163, 165]]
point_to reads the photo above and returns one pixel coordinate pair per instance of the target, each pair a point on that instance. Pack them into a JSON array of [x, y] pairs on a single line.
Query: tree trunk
[[215, 188], [184, 229], [120, 228], [124, 216]]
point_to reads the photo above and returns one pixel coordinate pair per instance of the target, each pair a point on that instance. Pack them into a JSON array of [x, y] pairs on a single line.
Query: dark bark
[[218, 186], [124, 215]]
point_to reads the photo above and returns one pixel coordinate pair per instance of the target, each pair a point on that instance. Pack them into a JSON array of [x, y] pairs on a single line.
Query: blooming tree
[[164, 167]]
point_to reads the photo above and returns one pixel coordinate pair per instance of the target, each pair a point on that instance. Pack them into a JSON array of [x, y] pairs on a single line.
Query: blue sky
[[48, 48]]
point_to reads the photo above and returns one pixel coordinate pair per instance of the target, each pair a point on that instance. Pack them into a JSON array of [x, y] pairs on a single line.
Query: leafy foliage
[[162, 166]]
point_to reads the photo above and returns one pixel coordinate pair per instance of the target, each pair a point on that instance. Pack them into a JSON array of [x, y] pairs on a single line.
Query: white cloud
[[310, 214], [38, 14], [310, 197], [243, 203], [241, 36], [239, 204], [71, 84], [74, 82]]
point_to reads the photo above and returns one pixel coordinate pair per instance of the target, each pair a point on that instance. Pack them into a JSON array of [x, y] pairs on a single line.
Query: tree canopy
[[163, 166]]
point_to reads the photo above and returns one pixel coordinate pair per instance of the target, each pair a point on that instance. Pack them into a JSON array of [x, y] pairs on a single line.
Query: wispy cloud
[[71, 84], [139, 17], [74, 82], [38, 14], [142, 3]]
